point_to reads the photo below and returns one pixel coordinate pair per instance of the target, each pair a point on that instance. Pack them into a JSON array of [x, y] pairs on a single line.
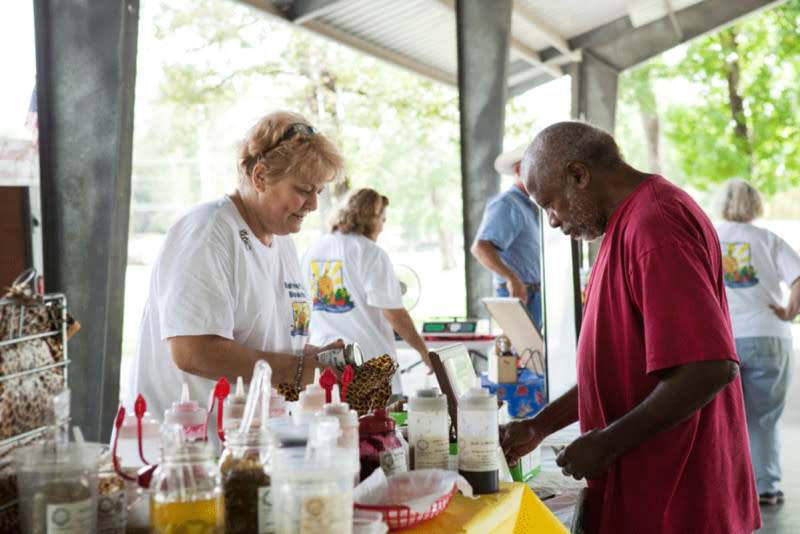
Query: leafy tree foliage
[[744, 120]]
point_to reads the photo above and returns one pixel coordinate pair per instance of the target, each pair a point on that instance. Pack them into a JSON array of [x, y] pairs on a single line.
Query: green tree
[[398, 132], [743, 121]]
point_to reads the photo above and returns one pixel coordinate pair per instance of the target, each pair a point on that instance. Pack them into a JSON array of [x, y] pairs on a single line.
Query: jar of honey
[[186, 493]]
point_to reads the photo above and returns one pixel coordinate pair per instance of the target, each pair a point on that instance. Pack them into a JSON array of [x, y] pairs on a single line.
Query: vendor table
[[513, 510]]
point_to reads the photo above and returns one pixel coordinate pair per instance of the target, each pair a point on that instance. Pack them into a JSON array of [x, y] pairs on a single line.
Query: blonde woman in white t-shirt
[[226, 289], [356, 295], [756, 262]]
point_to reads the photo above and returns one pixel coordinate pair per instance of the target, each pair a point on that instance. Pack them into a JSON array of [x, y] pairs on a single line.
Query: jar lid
[[427, 400], [377, 421], [286, 432], [478, 398], [63, 457], [151, 427], [186, 412], [353, 354], [255, 437]]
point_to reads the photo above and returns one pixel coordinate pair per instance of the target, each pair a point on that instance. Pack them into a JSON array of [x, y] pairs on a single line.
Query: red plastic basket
[[399, 517]]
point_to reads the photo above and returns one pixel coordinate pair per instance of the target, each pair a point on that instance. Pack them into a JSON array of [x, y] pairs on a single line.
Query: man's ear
[[578, 173]]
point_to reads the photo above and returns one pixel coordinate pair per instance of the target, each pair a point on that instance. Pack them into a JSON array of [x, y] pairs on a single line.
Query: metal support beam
[[624, 46], [532, 56], [483, 35], [303, 10], [552, 36], [86, 71]]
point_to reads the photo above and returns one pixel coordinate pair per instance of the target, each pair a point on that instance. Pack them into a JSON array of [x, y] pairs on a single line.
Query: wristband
[[299, 374]]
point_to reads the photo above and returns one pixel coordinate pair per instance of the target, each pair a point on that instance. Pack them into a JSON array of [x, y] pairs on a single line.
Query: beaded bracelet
[[299, 374]]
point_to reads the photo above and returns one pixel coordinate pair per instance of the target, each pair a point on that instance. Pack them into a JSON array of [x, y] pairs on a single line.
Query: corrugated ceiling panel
[[571, 18], [424, 30]]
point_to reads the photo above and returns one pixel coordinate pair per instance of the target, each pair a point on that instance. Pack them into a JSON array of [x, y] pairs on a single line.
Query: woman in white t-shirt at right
[[355, 293], [755, 262]]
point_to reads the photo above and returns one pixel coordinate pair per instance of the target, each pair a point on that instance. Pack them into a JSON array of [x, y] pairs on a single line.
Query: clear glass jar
[[186, 493], [112, 505], [244, 466]]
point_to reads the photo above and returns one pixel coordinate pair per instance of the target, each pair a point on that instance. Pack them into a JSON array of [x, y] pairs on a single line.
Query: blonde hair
[[737, 200], [360, 213], [287, 145]]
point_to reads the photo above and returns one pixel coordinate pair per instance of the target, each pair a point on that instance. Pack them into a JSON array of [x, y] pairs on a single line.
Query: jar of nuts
[[111, 499]]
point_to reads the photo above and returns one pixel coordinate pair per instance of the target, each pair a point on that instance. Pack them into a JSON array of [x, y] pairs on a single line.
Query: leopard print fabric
[[370, 389], [372, 385]]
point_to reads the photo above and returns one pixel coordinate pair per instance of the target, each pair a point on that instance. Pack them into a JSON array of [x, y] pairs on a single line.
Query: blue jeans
[[765, 371], [534, 304]]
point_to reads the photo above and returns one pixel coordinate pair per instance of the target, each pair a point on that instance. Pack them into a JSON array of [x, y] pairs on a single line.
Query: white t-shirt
[[755, 262], [213, 277], [352, 281]]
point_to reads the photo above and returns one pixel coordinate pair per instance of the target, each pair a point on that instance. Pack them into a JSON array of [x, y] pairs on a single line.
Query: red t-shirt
[[656, 299]]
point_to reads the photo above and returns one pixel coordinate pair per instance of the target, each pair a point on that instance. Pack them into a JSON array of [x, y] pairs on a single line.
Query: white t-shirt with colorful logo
[[351, 280], [213, 277], [755, 262]]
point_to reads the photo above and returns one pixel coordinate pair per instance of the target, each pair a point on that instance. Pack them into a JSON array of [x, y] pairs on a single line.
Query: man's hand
[[518, 438], [517, 288], [589, 456]]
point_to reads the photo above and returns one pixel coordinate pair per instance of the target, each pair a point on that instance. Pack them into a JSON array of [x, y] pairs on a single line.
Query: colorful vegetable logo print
[[327, 291], [738, 272], [301, 318]]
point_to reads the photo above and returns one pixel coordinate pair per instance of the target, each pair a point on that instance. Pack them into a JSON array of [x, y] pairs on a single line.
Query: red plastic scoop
[[139, 408], [327, 381], [221, 392], [347, 377], [117, 425]]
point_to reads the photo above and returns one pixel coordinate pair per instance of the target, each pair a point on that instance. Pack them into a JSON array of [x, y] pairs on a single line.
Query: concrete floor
[[785, 518]]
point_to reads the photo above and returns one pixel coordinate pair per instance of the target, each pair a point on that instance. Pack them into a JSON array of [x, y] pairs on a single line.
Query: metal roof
[[547, 35]]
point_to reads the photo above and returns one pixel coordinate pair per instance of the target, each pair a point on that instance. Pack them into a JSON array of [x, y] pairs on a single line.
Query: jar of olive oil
[[185, 492]]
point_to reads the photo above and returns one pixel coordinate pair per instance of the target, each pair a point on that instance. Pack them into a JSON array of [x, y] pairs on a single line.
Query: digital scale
[[452, 330]]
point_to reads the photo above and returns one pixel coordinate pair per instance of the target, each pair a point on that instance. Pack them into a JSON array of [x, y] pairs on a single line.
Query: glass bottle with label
[[186, 494], [428, 430], [379, 446], [244, 466], [478, 440]]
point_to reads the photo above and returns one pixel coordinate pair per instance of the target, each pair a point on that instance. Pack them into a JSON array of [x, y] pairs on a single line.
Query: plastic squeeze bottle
[[188, 414], [478, 440], [312, 399], [233, 409], [348, 423], [428, 431]]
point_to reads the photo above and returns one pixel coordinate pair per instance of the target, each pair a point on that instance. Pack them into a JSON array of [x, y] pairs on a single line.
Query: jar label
[[112, 513], [327, 513], [477, 453], [393, 461], [431, 452], [266, 521], [70, 518]]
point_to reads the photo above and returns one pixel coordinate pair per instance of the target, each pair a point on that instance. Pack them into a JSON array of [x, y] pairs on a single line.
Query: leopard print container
[[370, 389]]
